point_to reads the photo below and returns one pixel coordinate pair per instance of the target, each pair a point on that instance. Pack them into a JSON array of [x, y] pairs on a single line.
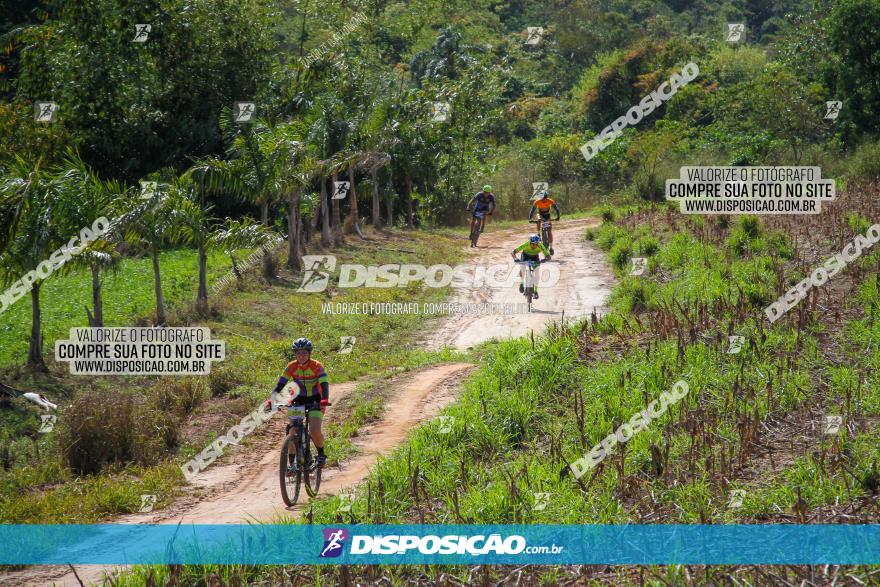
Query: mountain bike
[[546, 227], [478, 226], [297, 465], [529, 280]]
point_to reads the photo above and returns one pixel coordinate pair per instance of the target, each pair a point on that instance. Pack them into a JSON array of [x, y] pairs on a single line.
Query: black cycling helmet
[[302, 343]]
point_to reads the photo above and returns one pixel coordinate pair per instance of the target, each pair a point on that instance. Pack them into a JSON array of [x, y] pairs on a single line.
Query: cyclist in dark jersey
[[483, 201]]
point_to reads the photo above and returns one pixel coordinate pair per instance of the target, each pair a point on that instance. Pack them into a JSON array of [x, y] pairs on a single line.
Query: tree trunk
[[337, 216], [97, 298], [325, 215], [355, 221], [157, 281], [269, 262], [294, 260], [389, 205], [374, 174], [35, 348], [202, 295], [313, 222], [407, 183]]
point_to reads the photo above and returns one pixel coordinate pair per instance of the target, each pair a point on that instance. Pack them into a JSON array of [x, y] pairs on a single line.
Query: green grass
[[127, 294], [257, 320]]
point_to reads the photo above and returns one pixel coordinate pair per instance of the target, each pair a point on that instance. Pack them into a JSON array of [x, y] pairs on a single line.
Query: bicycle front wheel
[[291, 472], [312, 477]]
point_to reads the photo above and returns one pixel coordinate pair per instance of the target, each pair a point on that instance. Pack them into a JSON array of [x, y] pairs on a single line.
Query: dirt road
[[584, 283], [247, 489]]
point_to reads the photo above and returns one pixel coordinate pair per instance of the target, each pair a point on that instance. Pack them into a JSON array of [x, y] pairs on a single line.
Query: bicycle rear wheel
[[289, 482]]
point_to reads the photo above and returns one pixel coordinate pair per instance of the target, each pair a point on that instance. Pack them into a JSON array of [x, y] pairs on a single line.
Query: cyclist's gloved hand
[[272, 401]]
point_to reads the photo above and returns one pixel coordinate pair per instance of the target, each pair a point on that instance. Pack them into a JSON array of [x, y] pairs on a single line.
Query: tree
[[87, 197], [29, 222], [240, 234], [191, 222], [258, 168], [149, 225], [852, 30]]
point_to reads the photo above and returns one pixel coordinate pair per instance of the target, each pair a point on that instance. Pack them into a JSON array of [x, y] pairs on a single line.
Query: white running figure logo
[[335, 541]]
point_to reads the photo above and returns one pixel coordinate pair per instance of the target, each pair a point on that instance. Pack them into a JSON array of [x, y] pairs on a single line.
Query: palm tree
[[240, 234], [258, 168], [149, 225], [87, 197], [29, 221], [191, 223], [328, 135]]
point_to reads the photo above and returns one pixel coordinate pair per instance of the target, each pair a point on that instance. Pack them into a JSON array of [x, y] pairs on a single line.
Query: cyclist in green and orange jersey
[[531, 250], [314, 390]]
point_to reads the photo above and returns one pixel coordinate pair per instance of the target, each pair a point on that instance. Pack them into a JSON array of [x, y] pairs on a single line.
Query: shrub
[[103, 428], [96, 430], [221, 381], [621, 252], [178, 396], [648, 245], [607, 214], [865, 161]]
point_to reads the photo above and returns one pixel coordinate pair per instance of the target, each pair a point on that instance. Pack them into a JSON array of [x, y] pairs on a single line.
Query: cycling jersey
[[543, 206], [484, 201], [308, 378], [530, 251]]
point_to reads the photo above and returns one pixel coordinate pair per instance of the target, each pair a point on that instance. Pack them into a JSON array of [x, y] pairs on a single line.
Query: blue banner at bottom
[[256, 544]]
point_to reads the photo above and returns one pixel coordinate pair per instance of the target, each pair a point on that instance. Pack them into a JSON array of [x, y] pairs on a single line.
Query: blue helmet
[[302, 343], [534, 239]]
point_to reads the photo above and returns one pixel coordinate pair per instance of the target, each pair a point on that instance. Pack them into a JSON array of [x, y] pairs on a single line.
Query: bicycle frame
[[529, 273]]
